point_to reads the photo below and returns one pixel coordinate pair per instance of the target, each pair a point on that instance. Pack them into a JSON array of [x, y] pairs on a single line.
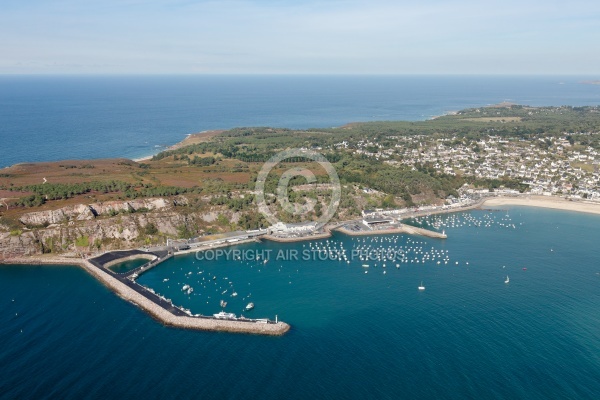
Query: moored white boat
[[224, 315]]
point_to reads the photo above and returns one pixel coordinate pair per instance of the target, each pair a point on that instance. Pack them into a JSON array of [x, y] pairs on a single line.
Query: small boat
[[365, 265], [185, 287], [223, 303], [421, 287], [233, 294], [250, 306], [224, 315], [507, 279]]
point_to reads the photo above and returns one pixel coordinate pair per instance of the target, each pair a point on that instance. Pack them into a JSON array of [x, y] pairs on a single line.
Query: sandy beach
[[556, 203], [192, 138]]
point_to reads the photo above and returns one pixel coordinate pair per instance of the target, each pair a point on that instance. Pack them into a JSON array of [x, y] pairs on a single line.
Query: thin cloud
[[300, 36]]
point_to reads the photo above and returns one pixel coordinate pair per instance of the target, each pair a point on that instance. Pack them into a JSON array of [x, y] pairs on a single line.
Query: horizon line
[[324, 74]]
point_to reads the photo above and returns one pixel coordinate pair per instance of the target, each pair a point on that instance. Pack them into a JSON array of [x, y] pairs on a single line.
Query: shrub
[[82, 241]]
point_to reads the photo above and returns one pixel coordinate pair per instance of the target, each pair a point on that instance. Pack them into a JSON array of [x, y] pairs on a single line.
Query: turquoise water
[[47, 118], [354, 335], [126, 266]]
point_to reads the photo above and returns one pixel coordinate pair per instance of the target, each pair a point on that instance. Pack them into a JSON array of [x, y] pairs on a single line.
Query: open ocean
[[48, 118], [354, 335]]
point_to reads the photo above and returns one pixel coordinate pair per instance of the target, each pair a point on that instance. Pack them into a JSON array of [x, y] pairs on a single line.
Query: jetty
[[406, 229], [160, 308]]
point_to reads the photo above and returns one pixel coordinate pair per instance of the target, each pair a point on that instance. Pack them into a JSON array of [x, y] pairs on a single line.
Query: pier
[[162, 308], [407, 229]]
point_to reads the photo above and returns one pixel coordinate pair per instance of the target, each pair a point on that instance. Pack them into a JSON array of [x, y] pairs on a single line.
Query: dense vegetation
[[63, 191]]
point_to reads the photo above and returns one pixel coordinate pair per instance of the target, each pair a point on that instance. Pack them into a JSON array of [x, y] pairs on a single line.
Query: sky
[[299, 37]]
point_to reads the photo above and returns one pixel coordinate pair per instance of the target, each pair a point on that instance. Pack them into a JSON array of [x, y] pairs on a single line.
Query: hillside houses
[[547, 165]]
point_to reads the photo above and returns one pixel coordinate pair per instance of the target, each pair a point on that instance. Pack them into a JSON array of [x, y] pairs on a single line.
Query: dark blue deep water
[[354, 335], [45, 118]]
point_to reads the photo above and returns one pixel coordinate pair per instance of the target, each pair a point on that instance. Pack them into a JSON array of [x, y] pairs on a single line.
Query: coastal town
[[550, 166]]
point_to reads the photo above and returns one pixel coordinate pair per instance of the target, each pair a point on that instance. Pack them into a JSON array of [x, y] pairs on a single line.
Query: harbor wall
[[149, 257], [324, 235], [407, 229], [156, 311]]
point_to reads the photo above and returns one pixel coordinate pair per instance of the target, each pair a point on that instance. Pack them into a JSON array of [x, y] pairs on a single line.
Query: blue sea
[[354, 335], [48, 118]]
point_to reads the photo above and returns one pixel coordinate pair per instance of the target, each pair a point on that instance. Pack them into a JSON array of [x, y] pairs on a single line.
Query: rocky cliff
[[87, 228], [82, 212]]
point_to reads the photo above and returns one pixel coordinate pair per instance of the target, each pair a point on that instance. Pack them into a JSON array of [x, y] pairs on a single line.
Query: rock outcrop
[[103, 226], [107, 207], [82, 212], [79, 212]]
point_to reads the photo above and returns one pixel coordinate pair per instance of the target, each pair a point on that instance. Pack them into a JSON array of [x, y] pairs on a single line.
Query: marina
[[108, 267], [159, 307], [367, 247], [180, 316]]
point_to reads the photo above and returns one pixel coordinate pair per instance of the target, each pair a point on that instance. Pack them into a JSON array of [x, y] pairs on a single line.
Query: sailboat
[[421, 287], [507, 279]]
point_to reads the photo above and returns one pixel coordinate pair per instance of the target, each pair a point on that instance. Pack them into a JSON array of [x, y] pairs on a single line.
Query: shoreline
[[190, 138], [550, 202]]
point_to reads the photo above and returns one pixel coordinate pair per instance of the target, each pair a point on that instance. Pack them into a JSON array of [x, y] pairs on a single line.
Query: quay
[[299, 238], [349, 229]]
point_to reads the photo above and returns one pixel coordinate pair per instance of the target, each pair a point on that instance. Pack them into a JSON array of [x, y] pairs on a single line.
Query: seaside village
[[549, 166]]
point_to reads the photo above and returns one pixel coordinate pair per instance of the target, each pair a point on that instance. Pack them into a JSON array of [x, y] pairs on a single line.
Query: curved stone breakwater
[[158, 312]]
